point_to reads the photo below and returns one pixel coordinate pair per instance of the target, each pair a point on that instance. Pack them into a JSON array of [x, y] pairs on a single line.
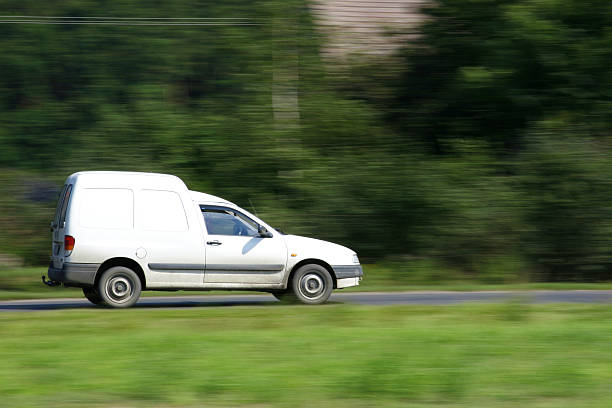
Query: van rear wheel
[[285, 297], [119, 287], [93, 296]]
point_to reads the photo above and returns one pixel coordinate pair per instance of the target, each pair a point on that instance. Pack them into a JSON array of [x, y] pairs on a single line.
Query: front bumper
[[74, 274], [347, 271], [347, 275]]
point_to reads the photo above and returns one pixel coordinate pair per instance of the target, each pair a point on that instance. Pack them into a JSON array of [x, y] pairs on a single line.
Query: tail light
[[68, 242]]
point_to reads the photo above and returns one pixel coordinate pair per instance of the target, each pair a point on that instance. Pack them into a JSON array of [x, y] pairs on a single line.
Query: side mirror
[[263, 232]]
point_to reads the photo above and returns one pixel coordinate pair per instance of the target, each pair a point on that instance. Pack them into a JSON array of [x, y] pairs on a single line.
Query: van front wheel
[[312, 284], [119, 287]]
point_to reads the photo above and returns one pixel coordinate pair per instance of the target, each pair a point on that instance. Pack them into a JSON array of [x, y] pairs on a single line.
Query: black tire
[[93, 296], [119, 287], [312, 284], [285, 297]]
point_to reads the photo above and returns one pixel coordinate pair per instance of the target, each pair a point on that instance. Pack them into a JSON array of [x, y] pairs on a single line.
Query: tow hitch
[[50, 283]]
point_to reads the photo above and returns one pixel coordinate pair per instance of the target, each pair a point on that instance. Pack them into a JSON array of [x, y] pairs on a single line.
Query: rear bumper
[[347, 271], [74, 274]]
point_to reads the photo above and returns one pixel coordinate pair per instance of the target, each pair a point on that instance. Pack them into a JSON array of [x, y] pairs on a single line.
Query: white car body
[[154, 225]]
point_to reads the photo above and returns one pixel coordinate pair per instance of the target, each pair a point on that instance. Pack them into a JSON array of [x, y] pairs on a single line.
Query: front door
[[236, 253]]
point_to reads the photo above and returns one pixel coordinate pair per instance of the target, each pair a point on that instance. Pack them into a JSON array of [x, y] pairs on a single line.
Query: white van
[[118, 233]]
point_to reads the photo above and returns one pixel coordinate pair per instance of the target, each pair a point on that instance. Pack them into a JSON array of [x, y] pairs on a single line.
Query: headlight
[[355, 259]]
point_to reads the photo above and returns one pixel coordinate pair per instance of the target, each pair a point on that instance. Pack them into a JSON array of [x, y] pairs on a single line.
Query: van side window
[[107, 208], [226, 221], [161, 211]]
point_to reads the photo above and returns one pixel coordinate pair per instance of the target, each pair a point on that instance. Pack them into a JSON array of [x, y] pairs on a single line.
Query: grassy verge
[[291, 356], [25, 283]]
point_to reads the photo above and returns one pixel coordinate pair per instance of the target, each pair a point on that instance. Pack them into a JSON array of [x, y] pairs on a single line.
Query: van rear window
[[65, 205], [107, 208], [60, 202]]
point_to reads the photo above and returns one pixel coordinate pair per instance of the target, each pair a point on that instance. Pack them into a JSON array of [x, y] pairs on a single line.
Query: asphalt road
[[362, 298]]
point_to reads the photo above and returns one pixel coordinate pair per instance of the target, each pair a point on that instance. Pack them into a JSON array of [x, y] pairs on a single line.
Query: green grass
[[501, 355], [25, 283]]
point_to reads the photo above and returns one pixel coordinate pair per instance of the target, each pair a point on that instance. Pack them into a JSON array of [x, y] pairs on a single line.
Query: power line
[[128, 21], [132, 18], [126, 24]]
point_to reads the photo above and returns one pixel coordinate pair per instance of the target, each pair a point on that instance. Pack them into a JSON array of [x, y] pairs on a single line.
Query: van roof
[[147, 180], [119, 173], [207, 198], [125, 179]]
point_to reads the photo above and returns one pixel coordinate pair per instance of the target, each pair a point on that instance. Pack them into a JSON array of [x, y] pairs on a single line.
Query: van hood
[[316, 248]]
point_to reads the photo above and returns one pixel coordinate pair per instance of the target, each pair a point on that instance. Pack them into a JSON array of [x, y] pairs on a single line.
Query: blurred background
[[443, 141]]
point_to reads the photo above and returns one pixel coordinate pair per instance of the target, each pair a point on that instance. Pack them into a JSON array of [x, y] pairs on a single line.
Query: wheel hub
[[312, 285], [119, 289]]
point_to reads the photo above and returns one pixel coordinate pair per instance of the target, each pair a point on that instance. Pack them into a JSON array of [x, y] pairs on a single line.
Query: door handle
[[215, 242]]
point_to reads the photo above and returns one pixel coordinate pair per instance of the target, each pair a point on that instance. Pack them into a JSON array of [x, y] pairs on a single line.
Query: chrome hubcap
[[312, 286], [119, 289]]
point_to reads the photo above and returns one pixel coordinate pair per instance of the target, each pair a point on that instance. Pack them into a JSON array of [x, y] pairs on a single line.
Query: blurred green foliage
[[511, 101], [480, 151]]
